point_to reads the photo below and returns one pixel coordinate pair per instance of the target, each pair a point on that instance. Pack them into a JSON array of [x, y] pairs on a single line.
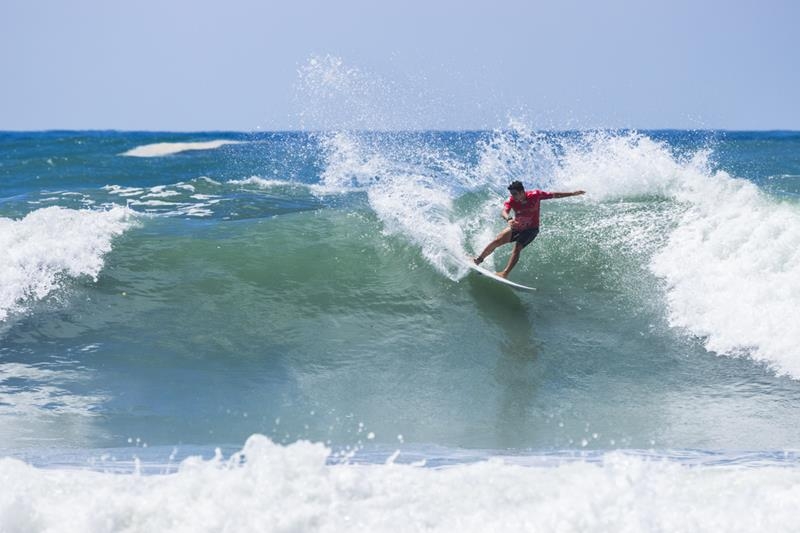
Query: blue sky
[[246, 65]]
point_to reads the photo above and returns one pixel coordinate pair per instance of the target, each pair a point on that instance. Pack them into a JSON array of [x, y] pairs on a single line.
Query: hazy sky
[[416, 64]]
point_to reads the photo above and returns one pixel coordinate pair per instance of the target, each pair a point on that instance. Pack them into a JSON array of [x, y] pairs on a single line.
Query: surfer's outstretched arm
[[567, 194]]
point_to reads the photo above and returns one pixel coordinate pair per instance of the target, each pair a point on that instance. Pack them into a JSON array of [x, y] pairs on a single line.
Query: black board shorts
[[524, 237]]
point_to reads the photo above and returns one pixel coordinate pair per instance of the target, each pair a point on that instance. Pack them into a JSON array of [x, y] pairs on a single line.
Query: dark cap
[[516, 186]]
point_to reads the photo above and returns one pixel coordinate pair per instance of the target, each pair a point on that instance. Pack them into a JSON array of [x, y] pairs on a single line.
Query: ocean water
[[278, 332]]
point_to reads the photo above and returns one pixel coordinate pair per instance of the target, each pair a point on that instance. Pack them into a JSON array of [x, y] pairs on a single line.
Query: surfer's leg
[[521, 240], [511, 260], [504, 237]]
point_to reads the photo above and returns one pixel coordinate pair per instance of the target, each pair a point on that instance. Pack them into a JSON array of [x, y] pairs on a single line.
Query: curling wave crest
[[51, 243]]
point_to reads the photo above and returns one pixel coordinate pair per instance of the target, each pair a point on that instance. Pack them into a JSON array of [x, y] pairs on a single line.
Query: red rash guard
[[526, 213]]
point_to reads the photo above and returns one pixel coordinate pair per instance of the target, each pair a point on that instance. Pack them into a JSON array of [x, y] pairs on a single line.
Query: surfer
[[524, 226]]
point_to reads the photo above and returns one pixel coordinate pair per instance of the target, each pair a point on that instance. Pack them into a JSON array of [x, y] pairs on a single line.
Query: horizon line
[[410, 130]]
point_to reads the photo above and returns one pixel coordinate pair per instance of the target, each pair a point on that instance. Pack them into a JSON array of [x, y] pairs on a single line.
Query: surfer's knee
[[504, 237]]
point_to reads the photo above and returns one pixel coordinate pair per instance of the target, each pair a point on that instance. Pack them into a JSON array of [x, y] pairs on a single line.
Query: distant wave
[[162, 149]]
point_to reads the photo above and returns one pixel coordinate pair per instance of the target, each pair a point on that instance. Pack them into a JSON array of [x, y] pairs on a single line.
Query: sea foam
[[269, 487], [50, 243]]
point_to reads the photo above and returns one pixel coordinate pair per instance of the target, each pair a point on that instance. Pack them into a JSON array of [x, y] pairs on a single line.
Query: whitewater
[[274, 488]]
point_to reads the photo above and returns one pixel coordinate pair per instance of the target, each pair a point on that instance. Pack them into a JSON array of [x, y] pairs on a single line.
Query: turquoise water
[[312, 286]]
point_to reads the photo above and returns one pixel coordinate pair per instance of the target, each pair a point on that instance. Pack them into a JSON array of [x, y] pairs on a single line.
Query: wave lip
[[164, 149], [732, 269], [49, 243]]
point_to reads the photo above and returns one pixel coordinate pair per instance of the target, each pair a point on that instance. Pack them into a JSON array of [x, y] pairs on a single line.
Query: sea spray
[[412, 200], [332, 94]]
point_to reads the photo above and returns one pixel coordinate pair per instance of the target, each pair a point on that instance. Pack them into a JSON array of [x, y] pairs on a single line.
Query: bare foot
[[477, 260], [502, 274]]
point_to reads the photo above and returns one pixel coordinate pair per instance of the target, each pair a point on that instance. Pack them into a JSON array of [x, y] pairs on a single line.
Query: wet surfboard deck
[[489, 274]]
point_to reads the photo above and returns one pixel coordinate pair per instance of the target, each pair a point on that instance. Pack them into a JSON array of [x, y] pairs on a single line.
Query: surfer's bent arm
[[567, 194], [506, 215]]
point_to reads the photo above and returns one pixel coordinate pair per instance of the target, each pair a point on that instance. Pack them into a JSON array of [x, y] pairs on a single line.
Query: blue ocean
[[279, 331]]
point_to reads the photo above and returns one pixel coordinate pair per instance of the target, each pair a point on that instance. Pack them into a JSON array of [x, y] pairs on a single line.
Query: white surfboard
[[489, 274]]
